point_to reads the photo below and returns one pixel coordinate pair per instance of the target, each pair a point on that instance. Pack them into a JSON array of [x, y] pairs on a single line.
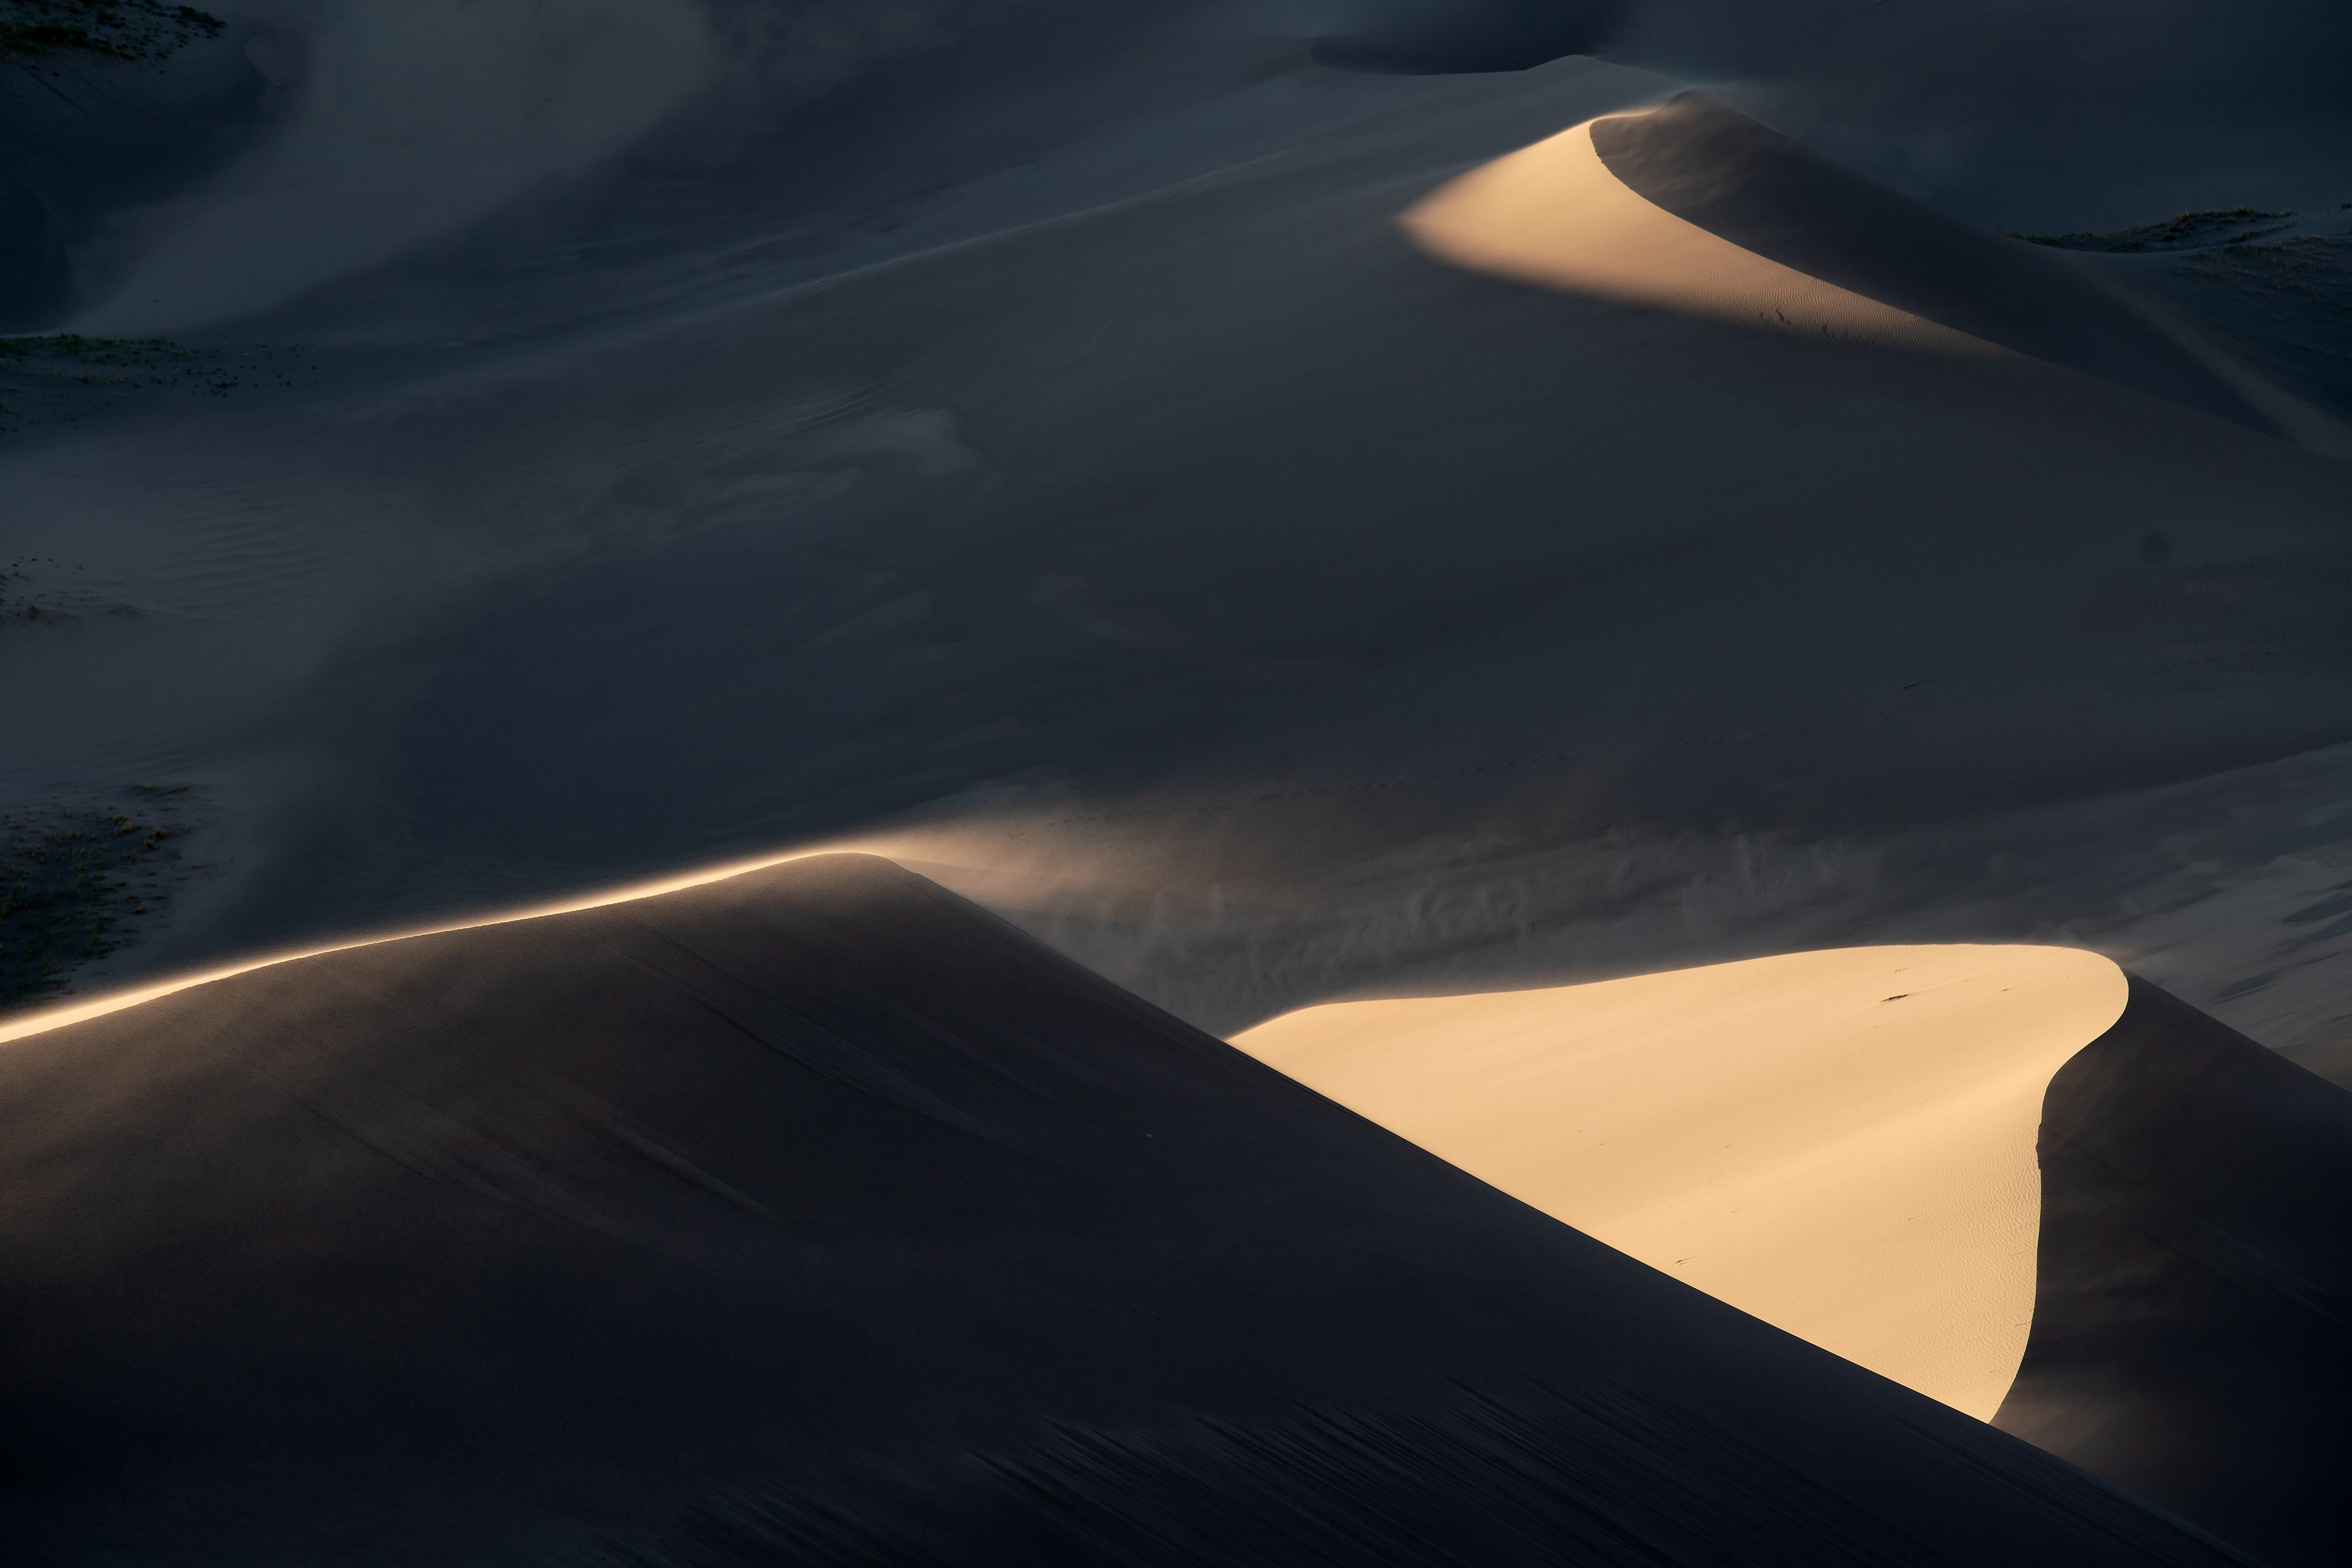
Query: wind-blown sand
[[817, 1215], [1841, 1143]]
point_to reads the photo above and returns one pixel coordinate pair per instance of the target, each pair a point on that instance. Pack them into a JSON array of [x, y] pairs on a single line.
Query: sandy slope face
[[1839, 1142], [414, 119], [815, 1216], [1553, 214]]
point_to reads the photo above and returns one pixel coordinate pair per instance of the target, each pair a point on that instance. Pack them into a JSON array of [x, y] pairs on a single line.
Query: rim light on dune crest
[[57, 1016], [1839, 1142]]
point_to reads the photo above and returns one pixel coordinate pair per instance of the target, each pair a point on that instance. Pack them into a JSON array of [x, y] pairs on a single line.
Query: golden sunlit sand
[[1839, 1142], [1554, 216]]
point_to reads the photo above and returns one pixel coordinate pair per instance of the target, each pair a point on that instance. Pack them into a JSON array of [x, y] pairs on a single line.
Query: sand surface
[[604, 442], [2195, 1278], [1841, 1143], [816, 1215]]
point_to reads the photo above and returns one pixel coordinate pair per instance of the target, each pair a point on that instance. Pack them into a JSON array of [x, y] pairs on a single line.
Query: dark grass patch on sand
[[2190, 231], [65, 378], [38, 596], [81, 879], [103, 29]]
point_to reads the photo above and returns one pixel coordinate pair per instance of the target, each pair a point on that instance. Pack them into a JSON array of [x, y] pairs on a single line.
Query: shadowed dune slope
[[1417, 37], [2192, 1335], [1745, 182], [815, 1216]]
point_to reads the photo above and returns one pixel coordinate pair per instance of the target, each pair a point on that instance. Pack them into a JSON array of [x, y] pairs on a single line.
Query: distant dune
[[815, 1216], [1839, 1142], [2192, 1331], [1556, 214], [1693, 207]]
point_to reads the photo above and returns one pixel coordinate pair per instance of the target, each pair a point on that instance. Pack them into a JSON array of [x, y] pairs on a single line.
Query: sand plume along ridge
[[818, 1215], [2192, 1337], [1841, 1142], [1695, 207]]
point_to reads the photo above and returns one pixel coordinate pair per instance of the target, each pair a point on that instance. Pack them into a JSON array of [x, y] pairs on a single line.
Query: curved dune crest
[[1553, 214], [1839, 1142], [1695, 207]]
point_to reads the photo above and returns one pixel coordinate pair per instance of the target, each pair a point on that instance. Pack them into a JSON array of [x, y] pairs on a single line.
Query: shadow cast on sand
[[2195, 1280]]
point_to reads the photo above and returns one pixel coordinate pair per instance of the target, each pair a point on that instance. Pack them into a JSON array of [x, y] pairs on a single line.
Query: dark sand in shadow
[[815, 1216], [1743, 182], [2192, 1326]]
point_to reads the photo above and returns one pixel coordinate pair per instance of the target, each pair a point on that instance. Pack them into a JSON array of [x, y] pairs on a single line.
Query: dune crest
[[1694, 207], [1553, 214], [1839, 1142]]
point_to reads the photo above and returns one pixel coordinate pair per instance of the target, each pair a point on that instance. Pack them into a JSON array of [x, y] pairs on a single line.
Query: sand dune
[[2012, 1178], [816, 1216], [407, 119], [2195, 1284], [1839, 1142], [1693, 207], [1556, 214], [1018, 434]]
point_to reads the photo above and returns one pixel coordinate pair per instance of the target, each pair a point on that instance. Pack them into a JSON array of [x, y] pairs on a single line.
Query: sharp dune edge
[[1556, 215], [1695, 207], [2195, 1280], [1841, 1143], [2048, 1194], [816, 1216]]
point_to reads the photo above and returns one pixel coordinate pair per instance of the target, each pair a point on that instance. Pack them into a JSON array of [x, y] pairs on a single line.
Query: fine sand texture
[[1839, 1142], [817, 1216], [2191, 1339]]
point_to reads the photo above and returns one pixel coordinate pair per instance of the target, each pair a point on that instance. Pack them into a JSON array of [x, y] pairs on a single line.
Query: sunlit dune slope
[[1693, 207], [1840, 1142], [1556, 215], [2192, 1340], [815, 1216]]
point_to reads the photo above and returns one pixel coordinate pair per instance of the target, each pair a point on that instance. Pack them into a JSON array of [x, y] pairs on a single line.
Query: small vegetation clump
[[63, 378], [103, 29], [16, 601], [2190, 231], [77, 881], [37, 594], [73, 348]]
